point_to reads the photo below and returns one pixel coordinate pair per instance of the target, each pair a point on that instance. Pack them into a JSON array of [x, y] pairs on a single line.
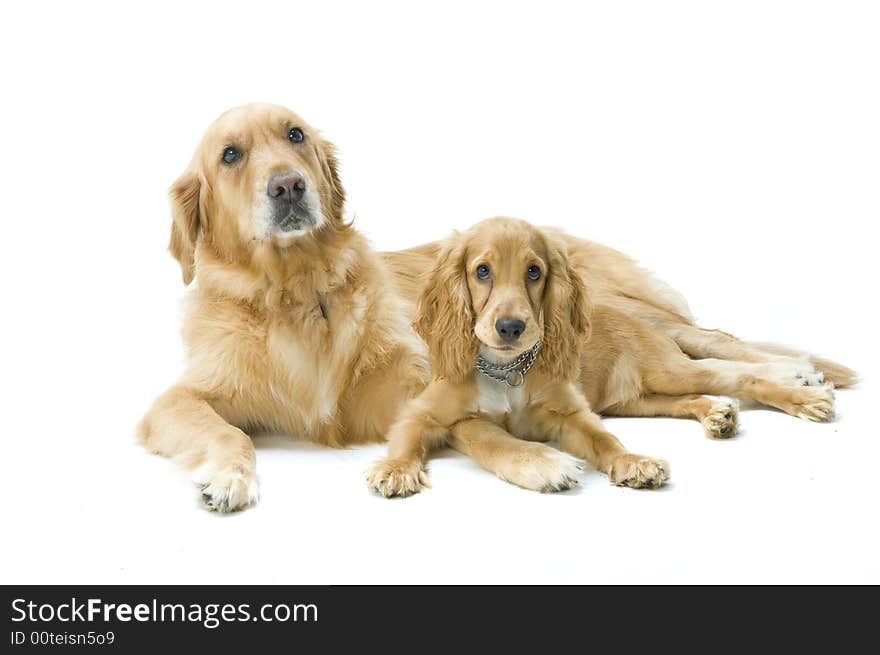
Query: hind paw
[[809, 403], [638, 471], [722, 421]]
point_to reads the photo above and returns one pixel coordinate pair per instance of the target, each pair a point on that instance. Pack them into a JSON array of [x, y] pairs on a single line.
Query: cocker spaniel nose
[[290, 186], [509, 329]]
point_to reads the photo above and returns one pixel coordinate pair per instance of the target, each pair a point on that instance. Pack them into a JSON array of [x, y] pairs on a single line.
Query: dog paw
[[390, 478], [812, 403], [795, 372], [230, 490], [541, 468], [722, 420], [810, 378], [638, 471]]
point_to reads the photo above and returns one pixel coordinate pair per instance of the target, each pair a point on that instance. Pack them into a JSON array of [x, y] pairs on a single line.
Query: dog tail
[[840, 375]]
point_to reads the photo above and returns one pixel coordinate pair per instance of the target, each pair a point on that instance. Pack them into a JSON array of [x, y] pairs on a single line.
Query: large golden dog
[[531, 331], [294, 324]]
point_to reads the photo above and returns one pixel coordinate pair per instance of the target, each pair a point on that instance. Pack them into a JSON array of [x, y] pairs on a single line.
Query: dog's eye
[[296, 135], [534, 273], [483, 272], [231, 154]]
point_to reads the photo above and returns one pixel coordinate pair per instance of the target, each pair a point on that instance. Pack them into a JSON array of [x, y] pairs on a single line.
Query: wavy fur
[[566, 313], [445, 315]]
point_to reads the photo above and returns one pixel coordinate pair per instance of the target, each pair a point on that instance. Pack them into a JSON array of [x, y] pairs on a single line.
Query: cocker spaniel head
[[499, 288]]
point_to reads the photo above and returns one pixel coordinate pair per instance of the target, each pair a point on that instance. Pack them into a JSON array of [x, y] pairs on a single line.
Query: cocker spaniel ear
[[445, 317], [566, 313], [330, 167], [185, 222]]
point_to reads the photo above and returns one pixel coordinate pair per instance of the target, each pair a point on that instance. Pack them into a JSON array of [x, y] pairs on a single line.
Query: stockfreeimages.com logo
[[209, 615]]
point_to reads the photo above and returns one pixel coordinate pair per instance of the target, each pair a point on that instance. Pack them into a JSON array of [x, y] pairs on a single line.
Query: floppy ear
[[566, 311], [445, 317], [330, 167], [185, 222]]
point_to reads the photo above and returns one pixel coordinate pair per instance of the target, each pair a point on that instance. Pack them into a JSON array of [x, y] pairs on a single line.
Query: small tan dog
[[503, 295], [294, 326], [530, 331]]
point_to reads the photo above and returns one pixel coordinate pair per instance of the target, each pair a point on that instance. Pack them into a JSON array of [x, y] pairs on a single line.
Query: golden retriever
[[294, 324], [532, 331]]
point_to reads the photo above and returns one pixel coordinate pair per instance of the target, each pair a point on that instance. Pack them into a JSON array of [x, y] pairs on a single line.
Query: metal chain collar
[[513, 373]]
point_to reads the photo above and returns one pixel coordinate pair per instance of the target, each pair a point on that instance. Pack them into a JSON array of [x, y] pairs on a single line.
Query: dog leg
[[718, 417], [700, 343], [582, 434], [837, 374], [185, 427], [402, 473], [809, 369], [769, 384], [423, 425], [525, 464]]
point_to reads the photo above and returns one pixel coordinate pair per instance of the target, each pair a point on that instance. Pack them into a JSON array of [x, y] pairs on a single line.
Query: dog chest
[[498, 399], [312, 367]]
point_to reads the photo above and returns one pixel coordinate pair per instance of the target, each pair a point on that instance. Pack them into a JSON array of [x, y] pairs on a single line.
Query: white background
[[732, 147]]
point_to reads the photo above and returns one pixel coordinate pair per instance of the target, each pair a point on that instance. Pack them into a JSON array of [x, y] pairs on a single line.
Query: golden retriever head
[[260, 174], [498, 288]]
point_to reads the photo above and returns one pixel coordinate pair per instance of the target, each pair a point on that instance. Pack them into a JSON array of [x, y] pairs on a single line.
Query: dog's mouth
[[284, 228], [504, 352], [293, 223], [297, 219]]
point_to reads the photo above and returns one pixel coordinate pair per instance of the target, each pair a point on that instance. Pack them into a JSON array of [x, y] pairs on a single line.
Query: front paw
[[541, 468], [638, 471], [230, 489], [394, 477]]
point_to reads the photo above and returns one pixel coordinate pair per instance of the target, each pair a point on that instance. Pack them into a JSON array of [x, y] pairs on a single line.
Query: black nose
[[289, 186], [509, 328]]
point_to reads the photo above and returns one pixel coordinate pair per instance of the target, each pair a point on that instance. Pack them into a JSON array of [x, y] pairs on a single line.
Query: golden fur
[[616, 341], [295, 331], [488, 419], [307, 331]]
